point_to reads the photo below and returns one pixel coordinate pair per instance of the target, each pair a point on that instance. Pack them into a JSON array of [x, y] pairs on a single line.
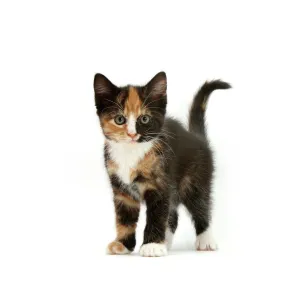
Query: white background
[[56, 214]]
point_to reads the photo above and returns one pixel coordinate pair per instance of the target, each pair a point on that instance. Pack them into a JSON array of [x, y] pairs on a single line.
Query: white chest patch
[[127, 156]]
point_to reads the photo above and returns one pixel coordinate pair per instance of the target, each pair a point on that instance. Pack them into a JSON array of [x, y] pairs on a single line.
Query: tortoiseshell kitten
[[154, 160]]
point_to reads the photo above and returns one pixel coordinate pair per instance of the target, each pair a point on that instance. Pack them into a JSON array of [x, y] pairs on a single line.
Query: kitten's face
[[131, 114]]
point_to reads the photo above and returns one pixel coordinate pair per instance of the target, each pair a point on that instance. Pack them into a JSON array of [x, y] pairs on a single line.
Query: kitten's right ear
[[104, 89]]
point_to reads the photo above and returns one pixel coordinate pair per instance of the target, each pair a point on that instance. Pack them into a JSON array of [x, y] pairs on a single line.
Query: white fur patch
[[169, 238], [127, 156], [153, 249], [131, 124], [205, 241]]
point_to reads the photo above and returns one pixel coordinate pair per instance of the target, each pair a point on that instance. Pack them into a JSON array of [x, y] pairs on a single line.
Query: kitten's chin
[[133, 140], [145, 139], [136, 141], [125, 141]]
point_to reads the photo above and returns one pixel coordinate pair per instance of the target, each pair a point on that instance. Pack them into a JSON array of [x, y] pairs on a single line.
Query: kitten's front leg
[[157, 216], [127, 214]]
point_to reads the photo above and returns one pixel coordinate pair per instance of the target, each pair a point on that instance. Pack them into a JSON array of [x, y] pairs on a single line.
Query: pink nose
[[132, 135]]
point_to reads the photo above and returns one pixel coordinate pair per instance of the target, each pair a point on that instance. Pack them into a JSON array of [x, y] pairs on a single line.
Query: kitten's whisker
[[163, 154], [163, 129], [110, 107], [154, 106], [143, 106], [118, 105], [161, 133], [147, 97], [168, 134], [167, 145], [164, 159]]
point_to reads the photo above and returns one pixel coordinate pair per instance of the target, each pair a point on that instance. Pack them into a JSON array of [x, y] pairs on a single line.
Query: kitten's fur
[[158, 163]]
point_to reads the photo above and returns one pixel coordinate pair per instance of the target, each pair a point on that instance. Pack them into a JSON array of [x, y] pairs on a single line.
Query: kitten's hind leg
[[197, 201], [202, 219], [205, 241], [171, 228]]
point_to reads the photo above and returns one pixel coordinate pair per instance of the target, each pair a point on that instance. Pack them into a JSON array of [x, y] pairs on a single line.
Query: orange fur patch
[[133, 104], [111, 128], [124, 199], [125, 230], [145, 166], [116, 247]]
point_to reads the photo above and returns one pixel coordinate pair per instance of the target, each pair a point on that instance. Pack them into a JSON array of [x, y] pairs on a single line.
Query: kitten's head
[[133, 113]]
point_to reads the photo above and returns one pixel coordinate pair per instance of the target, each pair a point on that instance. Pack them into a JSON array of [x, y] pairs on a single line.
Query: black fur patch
[[173, 220], [157, 216], [129, 242]]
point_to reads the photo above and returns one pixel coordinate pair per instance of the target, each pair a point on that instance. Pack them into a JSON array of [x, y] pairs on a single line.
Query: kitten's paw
[[116, 248], [205, 242], [153, 249]]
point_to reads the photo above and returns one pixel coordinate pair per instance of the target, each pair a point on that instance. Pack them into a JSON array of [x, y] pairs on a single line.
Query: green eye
[[145, 119], [120, 120]]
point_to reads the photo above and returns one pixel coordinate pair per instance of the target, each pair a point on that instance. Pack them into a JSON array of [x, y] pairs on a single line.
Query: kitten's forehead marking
[[133, 103]]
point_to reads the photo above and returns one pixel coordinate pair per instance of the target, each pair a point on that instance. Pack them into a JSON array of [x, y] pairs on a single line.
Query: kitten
[[154, 160]]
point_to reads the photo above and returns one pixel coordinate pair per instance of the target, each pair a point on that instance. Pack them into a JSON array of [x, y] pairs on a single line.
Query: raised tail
[[197, 111]]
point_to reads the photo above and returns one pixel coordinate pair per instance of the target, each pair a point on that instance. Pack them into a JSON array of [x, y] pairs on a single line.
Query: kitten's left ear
[[105, 91], [102, 85], [157, 87]]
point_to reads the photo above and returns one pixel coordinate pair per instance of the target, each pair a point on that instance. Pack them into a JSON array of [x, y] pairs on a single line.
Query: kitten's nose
[[132, 135]]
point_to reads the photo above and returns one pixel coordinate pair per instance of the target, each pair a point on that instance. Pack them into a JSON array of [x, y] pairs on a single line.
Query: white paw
[[206, 242], [169, 238], [153, 249]]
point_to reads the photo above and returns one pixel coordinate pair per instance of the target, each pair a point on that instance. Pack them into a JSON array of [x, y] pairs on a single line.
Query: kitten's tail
[[197, 111]]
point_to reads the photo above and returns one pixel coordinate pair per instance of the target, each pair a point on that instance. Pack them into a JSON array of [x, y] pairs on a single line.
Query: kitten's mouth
[[133, 140]]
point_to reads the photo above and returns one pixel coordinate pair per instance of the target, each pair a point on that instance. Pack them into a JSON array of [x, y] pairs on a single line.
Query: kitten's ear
[[102, 85], [157, 86], [104, 90]]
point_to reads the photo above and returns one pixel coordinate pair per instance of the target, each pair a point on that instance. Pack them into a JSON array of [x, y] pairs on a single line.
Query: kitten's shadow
[[180, 250]]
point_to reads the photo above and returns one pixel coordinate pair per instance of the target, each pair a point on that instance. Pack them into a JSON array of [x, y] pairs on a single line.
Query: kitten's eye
[[120, 120], [145, 119]]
